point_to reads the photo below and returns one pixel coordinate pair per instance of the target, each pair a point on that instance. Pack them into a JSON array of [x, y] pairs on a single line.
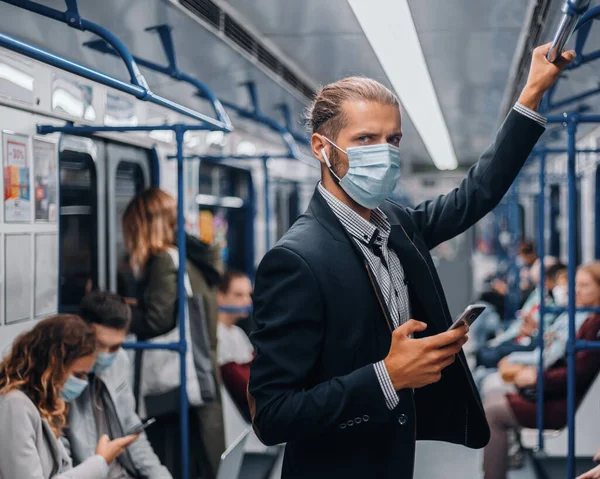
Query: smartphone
[[140, 427], [468, 316]]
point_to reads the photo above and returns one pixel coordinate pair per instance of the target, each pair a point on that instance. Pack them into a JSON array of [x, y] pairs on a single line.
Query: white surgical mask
[[373, 172], [560, 295]]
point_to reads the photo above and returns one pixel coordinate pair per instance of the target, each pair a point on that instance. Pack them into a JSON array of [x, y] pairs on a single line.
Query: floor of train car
[[463, 462]]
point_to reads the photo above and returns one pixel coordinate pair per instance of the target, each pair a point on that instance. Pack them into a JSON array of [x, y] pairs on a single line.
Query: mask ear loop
[[326, 158], [328, 163]]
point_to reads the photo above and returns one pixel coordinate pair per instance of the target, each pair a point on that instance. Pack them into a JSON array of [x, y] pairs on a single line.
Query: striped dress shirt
[[387, 269]]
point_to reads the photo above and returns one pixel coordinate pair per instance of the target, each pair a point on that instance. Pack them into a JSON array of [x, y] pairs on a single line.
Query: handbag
[[167, 403], [529, 393]]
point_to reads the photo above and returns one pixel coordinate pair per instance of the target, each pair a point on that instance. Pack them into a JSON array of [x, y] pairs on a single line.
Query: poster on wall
[[17, 190], [45, 168]]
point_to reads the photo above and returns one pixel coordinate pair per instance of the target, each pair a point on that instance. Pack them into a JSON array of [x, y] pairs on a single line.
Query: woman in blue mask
[[45, 369]]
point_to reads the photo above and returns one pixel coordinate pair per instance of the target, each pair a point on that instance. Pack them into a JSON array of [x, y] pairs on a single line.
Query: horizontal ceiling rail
[[138, 87], [172, 70]]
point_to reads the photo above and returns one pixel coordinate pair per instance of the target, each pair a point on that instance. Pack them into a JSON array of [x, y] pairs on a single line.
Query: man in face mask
[[107, 405], [342, 374], [234, 350]]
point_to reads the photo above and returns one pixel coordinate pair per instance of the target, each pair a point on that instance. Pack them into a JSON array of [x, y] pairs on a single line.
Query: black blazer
[[321, 327]]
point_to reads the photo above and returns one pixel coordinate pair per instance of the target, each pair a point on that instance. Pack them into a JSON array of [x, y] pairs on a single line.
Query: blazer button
[[350, 423], [357, 420], [343, 425], [402, 419], [366, 418]]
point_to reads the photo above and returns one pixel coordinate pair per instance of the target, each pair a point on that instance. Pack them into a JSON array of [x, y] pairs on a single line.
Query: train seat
[[586, 429]]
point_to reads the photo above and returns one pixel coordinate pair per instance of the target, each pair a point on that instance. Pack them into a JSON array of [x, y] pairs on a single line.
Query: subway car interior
[[207, 100]]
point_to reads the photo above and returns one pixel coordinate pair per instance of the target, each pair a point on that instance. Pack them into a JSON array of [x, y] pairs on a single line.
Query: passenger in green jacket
[[149, 224]]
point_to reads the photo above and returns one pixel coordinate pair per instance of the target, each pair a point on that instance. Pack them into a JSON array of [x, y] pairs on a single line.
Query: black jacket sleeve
[[155, 312], [285, 403], [484, 186]]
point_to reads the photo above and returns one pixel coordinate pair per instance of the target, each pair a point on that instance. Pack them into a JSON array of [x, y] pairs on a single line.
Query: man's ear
[[317, 144]]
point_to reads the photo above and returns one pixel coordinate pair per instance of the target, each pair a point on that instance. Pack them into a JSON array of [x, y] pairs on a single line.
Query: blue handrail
[[72, 18], [582, 27], [266, 181], [573, 10], [542, 311], [138, 86], [172, 70]]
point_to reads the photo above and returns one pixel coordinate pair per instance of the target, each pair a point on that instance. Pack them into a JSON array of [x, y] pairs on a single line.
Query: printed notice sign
[[45, 173], [17, 190]]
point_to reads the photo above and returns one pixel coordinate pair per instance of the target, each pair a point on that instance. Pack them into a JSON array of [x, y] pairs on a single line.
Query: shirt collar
[[377, 230]]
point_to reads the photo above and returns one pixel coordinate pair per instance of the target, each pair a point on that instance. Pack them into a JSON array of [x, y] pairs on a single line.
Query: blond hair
[[149, 225], [325, 115], [593, 269]]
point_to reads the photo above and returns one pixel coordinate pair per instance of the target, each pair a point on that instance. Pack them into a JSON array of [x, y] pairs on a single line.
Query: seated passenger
[[490, 322], [46, 368], [107, 406], [517, 410], [521, 335], [234, 351]]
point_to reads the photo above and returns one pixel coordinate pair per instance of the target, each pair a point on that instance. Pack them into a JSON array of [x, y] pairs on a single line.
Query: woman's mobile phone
[[468, 316], [140, 427]]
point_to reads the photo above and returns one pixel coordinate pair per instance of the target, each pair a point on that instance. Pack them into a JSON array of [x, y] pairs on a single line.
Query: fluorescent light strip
[[389, 27]]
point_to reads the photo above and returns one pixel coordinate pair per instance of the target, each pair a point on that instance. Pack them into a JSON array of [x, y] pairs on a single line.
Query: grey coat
[[81, 437], [29, 449]]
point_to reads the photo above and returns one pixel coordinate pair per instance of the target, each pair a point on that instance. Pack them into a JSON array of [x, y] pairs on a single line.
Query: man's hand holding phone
[[414, 363]]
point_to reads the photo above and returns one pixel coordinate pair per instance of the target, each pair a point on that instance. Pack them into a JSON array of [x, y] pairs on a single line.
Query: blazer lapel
[[322, 213], [419, 270]]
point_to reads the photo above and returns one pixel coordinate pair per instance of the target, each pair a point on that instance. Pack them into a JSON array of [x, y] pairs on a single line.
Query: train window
[[129, 182], [78, 229], [286, 206], [72, 97], [554, 215], [226, 213]]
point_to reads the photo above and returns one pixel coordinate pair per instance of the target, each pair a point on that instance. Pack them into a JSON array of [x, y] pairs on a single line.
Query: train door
[[127, 174], [81, 220], [287, 205], [554, 226]]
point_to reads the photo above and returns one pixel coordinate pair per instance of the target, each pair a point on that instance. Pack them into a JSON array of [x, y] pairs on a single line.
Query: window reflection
[[16, 79], [119, 111], [73, 98], [157, 116]]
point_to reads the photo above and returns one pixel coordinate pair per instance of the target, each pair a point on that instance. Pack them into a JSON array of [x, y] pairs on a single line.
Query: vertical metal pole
[[181, 301], [542, 310], [513, 296], [249, 218], [267, 204], [572, 266]]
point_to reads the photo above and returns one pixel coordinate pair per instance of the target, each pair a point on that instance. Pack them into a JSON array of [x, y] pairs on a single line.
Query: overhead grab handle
[[256, 115], [172, 70], [572, 10], [138, 86], [72, 18]]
